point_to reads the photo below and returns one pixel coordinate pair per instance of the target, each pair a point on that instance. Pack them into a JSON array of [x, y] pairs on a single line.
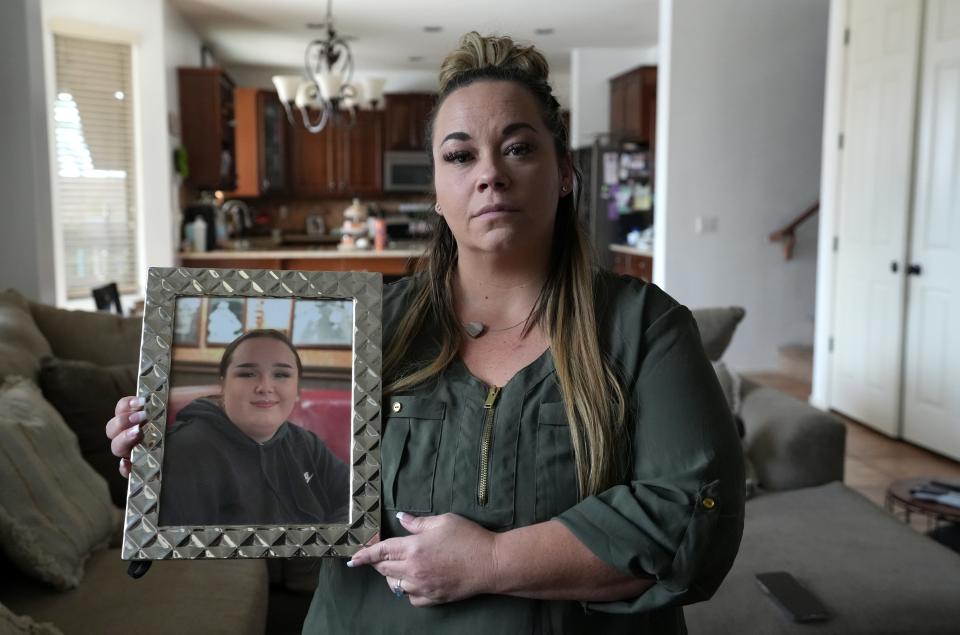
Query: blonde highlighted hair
[[593, 398]]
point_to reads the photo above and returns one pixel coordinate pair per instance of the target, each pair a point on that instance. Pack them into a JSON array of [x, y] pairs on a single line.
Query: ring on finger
[[398, 588]]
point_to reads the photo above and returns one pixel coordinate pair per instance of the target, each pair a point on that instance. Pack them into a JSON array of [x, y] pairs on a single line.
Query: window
[[96, 188]]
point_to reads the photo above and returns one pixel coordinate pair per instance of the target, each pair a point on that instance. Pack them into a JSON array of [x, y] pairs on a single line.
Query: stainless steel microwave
[[407, 172]]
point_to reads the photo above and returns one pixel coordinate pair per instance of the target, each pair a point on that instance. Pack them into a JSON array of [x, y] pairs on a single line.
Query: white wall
[[181, 48], [26, 239], [140, 24], [741, 146], [590, 73]]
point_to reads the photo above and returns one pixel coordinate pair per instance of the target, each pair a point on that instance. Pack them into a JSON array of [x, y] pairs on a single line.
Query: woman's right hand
[[123, 430]]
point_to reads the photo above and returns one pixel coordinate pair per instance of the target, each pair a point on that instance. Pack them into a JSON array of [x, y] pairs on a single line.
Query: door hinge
[[836, 243], [846, 36], [840, 141], [830, 344]]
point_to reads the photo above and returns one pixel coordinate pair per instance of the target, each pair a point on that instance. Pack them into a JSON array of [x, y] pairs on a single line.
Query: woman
[[557, 454], [236, 460]]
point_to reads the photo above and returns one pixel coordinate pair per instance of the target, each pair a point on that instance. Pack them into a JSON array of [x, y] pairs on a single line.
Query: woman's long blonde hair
[[592, 395]]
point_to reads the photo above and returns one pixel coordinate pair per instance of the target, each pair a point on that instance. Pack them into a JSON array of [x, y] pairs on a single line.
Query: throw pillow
[[22, 345], [717, 327], [13, 624], [86, 395], [54, 509], [101, 338]]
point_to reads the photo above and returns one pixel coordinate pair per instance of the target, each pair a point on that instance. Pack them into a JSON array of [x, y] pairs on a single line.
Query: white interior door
[[931, 409], [874, 203]]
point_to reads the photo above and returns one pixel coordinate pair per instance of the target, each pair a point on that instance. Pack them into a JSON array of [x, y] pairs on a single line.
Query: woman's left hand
[[446, 558]]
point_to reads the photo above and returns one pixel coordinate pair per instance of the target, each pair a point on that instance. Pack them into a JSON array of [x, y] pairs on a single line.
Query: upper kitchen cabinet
[[261, 139], [207, 127], [340, 160], [406, 119], [633, 105]]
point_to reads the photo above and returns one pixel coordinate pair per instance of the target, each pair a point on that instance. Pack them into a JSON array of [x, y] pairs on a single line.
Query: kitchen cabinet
[[261, 139], [207, 122], [406, 120], [636, 265], [633, 105], [340, 160]]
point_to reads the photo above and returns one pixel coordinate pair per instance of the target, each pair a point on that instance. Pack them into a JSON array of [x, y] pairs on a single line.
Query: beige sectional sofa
[[60, 566]]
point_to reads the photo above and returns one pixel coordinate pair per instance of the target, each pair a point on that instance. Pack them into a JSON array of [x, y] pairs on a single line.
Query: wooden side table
[[900, 500]]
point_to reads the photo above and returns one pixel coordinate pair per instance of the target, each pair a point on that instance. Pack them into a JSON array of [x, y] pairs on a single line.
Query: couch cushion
[[101, 338], [54, 509], [22, 345], [874, 573], [86, 395], [12, 624], [717, 327], [213, 596]]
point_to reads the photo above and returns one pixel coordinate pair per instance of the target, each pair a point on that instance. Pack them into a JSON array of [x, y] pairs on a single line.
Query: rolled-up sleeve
[[679, 518]]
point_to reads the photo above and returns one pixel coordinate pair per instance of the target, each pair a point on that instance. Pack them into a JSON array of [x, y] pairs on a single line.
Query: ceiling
[[273, 33]]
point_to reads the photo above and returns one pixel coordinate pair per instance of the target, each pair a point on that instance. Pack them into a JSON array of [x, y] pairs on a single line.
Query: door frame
[[830, 168]]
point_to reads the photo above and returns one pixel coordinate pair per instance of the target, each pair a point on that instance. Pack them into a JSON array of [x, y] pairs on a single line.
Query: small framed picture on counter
[[261, 437]]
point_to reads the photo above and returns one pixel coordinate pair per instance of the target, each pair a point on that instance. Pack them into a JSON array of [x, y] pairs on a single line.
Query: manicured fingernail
[[137, 402], [133, 432], [138, 417], [351, 563], [121, 463], [402, 516]]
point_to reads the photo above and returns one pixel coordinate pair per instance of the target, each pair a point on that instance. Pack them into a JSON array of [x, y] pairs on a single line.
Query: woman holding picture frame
[[557, 455]]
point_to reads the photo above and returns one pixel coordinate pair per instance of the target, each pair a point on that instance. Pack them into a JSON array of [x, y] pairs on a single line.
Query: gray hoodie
[[214, 474]]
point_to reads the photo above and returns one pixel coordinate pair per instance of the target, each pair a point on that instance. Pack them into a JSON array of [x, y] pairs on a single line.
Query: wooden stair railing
[[787, 235]]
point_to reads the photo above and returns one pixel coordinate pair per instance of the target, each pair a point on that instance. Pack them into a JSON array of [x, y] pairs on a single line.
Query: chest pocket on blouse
[[411, 442], [556, 470]]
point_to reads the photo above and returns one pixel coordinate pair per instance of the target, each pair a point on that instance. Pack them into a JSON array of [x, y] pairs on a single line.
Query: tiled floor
[[873, 460]]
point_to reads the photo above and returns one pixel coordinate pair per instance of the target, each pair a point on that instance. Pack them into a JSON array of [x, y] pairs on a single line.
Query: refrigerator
[[616, 194]]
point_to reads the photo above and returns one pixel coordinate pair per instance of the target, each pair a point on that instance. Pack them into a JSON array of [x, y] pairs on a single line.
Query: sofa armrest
[[790, 443]]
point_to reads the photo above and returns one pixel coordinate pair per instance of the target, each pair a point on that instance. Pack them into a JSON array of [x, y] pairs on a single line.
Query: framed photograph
[[322, 325], [270, 313], [233, 423], [316, 226], [225, 319], [186, 325]]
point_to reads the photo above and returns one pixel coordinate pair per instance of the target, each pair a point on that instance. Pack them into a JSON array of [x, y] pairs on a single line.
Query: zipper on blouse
[[489, 407]]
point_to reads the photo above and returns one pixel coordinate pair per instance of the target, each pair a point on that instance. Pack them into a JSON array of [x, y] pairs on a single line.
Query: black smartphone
[[798, 603]]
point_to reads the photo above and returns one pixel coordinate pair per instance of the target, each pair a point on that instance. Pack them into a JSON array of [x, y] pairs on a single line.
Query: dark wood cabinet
[[406, 120], [207, 122], [634, 265], [633, 105], [361, 155], [261, 139], [340, 160]]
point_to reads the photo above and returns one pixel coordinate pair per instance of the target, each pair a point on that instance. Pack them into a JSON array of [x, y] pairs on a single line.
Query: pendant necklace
[[476, 329]]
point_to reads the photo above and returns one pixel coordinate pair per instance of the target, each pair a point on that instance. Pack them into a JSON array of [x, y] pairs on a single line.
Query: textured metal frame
[[143, 539]]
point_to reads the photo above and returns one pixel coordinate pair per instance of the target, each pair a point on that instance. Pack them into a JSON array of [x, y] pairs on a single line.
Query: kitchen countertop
[[300, 252], [633, 251]]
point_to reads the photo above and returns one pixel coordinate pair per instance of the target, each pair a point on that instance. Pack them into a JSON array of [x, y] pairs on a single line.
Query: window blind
[[95, 179]]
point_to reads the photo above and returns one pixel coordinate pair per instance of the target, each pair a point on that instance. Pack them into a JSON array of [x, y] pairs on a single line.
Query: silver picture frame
[[143, 537]]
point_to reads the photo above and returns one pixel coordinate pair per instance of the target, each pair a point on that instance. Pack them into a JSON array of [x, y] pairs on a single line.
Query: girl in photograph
[[235, 459]]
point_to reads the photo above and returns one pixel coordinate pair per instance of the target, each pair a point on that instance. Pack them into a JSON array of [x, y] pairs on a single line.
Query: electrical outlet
[[706, 224]]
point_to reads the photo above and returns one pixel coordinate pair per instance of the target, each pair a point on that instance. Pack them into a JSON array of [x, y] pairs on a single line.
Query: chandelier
[[328, 87]]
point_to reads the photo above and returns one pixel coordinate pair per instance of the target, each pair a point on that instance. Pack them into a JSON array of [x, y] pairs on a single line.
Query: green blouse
[[504, 459]]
